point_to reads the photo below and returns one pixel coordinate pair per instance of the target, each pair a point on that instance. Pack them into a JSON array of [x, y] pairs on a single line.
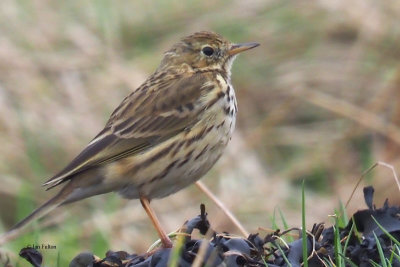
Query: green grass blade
[[289, 238], [356, 232], [386, 232], [273, 221], [177, 250], [396, 255], [328, 263], [337, 245], [390, 260], [374, 263], [380, 251], [352, 264], [343, 214], [58, 259], [348, 238], [304, 226], [284, 256], [265, 263]]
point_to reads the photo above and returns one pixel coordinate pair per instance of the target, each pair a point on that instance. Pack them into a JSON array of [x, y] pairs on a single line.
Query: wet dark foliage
[[270, 250], [32, 256]]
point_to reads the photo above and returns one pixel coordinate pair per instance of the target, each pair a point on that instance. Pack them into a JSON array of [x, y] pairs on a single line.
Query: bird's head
[[202, 51]]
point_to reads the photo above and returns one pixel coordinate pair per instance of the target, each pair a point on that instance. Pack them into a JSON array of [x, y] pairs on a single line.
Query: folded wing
[[156, 111]]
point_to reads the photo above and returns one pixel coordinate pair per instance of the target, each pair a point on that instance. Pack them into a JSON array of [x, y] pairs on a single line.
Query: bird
[[164, 136]]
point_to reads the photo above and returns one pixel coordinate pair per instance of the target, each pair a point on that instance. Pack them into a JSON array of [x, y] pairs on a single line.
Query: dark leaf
[[33, 256]]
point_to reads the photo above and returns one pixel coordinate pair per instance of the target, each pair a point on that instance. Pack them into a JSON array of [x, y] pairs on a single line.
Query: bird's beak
[[237, 48]]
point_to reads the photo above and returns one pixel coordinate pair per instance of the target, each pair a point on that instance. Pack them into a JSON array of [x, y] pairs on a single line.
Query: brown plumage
[[164, 135]]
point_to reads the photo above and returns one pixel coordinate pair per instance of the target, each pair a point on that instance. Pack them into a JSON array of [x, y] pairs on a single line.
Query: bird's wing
[[159, 109]]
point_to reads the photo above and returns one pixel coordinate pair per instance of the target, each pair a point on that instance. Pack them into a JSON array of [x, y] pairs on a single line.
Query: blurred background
[[319, 101]]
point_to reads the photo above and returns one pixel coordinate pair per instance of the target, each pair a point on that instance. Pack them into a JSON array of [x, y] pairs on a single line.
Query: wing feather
[[154, 112]]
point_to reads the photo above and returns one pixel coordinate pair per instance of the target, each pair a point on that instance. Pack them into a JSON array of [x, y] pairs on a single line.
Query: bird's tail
[[47, 207]]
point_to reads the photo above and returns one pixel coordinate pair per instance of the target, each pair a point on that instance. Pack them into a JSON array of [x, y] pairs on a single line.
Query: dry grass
[[318, 100]]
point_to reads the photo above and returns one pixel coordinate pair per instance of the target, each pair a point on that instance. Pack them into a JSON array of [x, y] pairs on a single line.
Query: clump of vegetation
[[370, 238]]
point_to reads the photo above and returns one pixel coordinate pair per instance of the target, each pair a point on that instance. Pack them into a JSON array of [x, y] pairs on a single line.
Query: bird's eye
[[208, 51]]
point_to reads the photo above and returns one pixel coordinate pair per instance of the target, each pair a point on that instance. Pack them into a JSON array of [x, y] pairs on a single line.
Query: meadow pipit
[[164, 136]]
